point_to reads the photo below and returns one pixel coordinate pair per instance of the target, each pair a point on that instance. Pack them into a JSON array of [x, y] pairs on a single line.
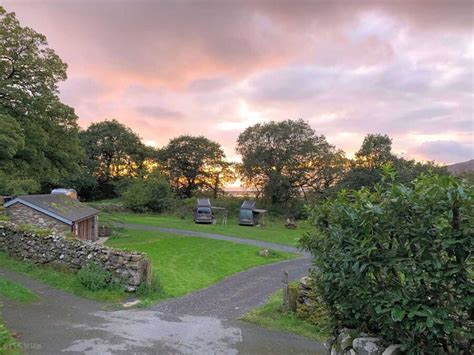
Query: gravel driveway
[[203, 322]]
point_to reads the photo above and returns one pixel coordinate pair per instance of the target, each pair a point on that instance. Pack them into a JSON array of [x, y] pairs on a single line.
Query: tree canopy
[[114, 151], [39, 135], [194, 163], [376, 150], [374, 153], [284, 159]]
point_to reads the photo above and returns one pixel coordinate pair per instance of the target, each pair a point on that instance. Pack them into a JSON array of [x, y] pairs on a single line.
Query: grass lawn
[[274, 230], [15, 291], [270, 316], [60, 279], [182, 265], [185, 264]]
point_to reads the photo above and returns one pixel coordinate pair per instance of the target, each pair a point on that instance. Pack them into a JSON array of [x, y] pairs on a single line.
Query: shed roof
[[61, 207]]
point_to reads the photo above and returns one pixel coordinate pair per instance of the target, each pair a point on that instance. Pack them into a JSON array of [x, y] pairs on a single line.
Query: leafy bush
[[95, 277], [148, 194], [397, 261]]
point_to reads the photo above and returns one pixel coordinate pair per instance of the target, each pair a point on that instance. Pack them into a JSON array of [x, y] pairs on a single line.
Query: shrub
[[95, 277], [397, 261], [148, 194], [152, 289]]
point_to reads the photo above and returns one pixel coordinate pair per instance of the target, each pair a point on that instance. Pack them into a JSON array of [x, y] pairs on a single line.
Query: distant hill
[[459, 168]]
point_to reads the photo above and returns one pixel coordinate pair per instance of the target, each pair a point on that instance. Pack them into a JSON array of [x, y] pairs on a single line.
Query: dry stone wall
[[132, 268]]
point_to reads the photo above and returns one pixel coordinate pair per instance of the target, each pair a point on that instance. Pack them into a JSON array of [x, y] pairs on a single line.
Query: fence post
[[284, 280]]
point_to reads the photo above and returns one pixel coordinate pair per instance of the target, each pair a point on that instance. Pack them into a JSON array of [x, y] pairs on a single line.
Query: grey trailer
[[62, 191], [203, 212], [249, 215]]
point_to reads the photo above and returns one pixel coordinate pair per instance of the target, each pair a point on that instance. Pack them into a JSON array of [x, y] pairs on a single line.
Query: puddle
[[130, 331]]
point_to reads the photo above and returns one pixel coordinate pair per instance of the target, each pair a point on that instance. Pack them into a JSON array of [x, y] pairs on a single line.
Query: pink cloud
[[167, 68]]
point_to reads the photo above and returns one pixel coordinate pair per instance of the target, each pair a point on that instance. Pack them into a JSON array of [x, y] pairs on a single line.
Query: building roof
[[61, 207]]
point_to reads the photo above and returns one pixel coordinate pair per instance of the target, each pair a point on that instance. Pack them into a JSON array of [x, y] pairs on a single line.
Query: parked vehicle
[[203, 212], [249, 215], [62, 191]]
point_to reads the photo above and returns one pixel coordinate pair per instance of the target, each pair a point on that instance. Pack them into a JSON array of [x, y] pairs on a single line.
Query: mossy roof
[[57, 205]]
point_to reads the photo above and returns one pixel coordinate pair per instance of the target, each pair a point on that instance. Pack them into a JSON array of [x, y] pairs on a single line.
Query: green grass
[[185, 264], [274, 230], [8, 344], [182, 265], [60, 279], [15, 291], [271, 316]]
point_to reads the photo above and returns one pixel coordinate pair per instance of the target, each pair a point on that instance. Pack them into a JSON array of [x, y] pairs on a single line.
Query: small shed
[[250, 215], [57, 212]]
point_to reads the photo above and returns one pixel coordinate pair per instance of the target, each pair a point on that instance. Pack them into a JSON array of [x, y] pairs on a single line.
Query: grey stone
[[393, 349], [328, 343], [264, 252], [345, 338], [72, 254], [367, 346]]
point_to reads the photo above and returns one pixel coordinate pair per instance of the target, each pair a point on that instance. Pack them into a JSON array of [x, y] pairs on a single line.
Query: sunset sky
[[404, 68]]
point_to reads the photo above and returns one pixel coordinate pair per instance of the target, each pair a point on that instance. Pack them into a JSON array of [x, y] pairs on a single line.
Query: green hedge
[[397, 262]]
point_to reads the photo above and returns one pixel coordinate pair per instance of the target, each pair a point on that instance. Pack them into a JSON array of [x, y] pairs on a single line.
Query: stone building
[[59, 213]]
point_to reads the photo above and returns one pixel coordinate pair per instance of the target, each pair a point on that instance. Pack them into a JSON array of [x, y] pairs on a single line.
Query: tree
[[376, 150], [220, 174], [374, 153], [113, 151], [194, 163], [147, 193], [45, 133], [284, 159]]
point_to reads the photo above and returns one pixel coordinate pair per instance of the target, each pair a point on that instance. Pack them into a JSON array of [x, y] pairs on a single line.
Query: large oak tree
[[194, 164], [38, 133], [283, 160], [113, 152]]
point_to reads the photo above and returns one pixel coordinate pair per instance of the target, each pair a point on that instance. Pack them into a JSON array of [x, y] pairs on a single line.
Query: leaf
[[398, 314]]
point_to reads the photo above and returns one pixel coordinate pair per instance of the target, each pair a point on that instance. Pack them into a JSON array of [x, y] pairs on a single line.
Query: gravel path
[[257, 243], [239, 293], [203, 322], [63, 323]]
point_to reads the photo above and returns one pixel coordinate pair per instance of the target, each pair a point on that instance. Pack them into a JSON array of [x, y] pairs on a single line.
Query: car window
[[246, 214]]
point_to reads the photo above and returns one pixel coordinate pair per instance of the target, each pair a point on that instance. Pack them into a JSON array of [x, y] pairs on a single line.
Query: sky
[[213, 68]]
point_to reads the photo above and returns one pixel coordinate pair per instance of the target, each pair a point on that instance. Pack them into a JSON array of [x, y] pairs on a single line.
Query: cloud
[[447, 151], [166, 68], [158, 112]]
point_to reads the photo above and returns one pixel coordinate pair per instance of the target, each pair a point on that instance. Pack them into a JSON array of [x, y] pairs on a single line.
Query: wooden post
[[284, 280]]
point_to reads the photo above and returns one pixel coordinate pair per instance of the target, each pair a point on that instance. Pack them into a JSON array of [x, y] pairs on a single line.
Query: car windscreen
[[246, 214], [204, 210]]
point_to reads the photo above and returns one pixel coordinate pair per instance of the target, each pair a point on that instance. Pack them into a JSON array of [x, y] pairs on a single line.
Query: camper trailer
[[68, 192], [249, 215], [203, 212]]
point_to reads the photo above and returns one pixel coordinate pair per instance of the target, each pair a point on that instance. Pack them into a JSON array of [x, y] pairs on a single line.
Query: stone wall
[[21, 214], [132, 268]]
